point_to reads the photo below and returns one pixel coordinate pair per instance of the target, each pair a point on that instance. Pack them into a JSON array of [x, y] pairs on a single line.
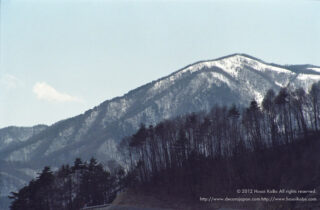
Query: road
[[116, 207]]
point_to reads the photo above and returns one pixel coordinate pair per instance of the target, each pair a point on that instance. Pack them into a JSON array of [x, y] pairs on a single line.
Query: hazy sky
[[59, 58]]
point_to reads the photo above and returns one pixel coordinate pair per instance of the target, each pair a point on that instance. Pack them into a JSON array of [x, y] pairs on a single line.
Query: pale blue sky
[[60, 58]]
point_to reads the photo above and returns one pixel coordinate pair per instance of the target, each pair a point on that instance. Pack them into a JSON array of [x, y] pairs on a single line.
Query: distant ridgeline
[[272, 146]]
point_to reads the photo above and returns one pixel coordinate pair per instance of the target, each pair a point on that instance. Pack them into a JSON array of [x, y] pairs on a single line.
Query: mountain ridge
[[236, 78], [136, 90]]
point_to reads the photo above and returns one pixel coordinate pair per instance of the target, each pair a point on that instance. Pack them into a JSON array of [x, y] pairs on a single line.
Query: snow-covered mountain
[[237, 78]]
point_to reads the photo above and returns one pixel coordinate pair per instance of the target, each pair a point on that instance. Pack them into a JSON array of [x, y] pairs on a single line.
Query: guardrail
[[97, 207]]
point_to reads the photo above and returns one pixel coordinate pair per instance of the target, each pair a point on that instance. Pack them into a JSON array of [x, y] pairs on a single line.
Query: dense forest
[[269, 146], [70, 188]]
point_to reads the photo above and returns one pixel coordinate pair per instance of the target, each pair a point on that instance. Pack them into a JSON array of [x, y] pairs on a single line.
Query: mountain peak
[[236, 71], [230, 64], [236, 55]]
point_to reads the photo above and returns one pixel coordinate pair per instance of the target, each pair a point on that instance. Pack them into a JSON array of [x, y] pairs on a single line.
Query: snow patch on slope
[[306, 80], [220, 78], [88, 122], [61, 141], [115, 110], [108, 148], [315, 69], [308, 77], [8, 140], [279, 84]]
